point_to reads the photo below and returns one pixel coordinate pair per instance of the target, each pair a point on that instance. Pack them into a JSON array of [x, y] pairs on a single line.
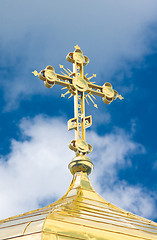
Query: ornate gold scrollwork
[[41, 75], [72, 123], [71, 89], [109, 93], [80, 84], [49, 76], [80, 146], [78, 57]]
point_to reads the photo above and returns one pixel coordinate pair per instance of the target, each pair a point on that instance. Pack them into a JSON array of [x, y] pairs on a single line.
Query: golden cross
[[79, 86]]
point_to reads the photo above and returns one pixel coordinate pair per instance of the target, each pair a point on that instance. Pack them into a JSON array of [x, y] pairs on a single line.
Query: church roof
[[80, 214]]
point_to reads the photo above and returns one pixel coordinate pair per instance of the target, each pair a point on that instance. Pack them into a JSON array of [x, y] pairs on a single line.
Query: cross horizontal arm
[[62, 77], [66, 81], [96, 89], [74, 82]]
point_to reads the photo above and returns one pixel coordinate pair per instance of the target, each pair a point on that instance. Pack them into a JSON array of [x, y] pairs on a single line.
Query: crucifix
[[83, 89]]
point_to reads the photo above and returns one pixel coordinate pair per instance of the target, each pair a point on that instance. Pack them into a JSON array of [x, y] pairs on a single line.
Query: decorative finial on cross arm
[[77, 47], [83, 89]]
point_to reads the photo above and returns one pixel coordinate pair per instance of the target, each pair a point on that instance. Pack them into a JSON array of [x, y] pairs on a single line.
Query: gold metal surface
[[80, 214], [78, 85]]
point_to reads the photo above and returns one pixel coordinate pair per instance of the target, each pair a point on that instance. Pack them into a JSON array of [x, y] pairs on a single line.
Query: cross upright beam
[[83, 89]]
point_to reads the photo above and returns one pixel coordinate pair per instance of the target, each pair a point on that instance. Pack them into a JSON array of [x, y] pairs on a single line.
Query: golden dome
[[80, 214]]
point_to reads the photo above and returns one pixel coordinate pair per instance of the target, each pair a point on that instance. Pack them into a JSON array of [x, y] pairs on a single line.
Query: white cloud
[[114, 152], [112, 33], [135, 199], [28, 175], [30, 172]]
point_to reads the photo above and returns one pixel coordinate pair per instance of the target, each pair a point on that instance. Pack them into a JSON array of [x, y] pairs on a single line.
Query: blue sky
[[119, 37]]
